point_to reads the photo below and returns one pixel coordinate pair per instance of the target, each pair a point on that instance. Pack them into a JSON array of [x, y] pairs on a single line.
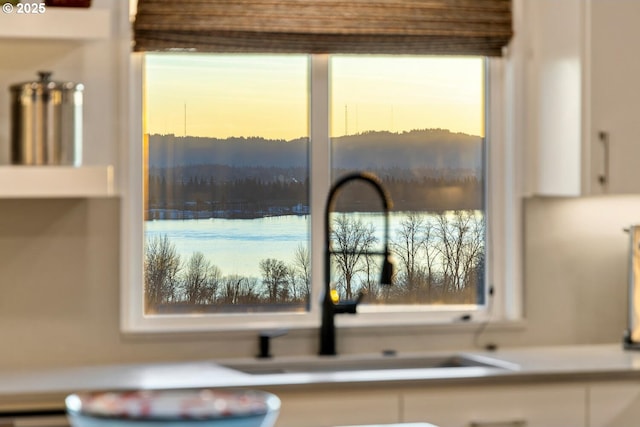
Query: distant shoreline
[[175, 214], [172, 214]]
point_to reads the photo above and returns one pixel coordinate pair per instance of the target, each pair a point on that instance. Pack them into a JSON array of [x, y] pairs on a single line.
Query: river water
[[236, 246]]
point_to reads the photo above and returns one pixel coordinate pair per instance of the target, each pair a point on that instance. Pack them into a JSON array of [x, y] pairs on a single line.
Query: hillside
[[426, 150]]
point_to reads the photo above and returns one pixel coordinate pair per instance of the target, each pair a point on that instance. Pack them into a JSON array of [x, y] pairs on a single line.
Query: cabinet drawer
[[499, 406], [614, 404], [333, 408], [33, 420]]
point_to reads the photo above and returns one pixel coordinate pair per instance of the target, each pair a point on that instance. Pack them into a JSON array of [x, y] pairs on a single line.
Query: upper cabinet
[[550, 45], [583, 96], [83, 45], [613, 113]]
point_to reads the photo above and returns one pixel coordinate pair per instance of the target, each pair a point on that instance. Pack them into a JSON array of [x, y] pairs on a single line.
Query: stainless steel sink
[[320, 365]]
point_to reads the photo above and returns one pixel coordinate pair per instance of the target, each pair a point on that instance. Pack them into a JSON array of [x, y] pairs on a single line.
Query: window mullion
[[319, 167]]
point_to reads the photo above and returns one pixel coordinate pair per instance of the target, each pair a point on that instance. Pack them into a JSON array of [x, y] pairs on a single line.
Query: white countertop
[[561, 363]]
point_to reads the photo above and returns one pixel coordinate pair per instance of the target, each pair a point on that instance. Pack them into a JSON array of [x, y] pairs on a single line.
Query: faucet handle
[[350, 306], [265, 339]]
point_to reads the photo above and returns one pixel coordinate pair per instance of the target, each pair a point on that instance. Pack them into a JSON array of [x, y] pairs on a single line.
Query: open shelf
[[56, 181], [57, 23]]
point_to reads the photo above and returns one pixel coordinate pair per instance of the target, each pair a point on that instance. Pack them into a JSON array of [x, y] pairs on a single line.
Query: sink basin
[[320, 365]]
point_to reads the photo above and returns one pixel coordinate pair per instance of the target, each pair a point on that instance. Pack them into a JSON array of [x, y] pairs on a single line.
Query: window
[[418, 124], [226, 184], [235, 174]]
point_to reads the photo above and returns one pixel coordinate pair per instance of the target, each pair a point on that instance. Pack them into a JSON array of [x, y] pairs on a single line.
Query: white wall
[[59, 259]]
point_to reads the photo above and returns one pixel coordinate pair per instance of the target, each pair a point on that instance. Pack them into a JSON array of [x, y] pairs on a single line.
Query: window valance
[[442, 27]]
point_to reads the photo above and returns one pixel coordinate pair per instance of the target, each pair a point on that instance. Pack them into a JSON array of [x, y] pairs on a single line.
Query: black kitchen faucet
[[329, 308]]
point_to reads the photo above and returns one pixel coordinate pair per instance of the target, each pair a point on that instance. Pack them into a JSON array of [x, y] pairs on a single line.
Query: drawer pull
[[510, 423], [603, 178]]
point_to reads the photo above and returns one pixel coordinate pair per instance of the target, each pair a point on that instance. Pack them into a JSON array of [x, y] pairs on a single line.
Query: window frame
[[502, 241]]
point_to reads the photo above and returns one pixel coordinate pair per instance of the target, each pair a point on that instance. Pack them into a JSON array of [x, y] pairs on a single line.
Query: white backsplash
[[60, 289]]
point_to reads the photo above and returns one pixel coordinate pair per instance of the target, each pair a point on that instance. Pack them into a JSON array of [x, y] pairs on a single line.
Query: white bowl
[[173, 408]]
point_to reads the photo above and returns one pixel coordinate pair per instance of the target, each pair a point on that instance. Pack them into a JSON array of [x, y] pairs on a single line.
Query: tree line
[[439, 260], [256, 195], [250, 196]]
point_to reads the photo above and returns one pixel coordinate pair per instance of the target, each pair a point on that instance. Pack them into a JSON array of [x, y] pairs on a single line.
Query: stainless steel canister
[[46, 122]]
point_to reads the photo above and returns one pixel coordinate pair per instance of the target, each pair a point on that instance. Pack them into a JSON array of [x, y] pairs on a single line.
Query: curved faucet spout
[[329, 308]]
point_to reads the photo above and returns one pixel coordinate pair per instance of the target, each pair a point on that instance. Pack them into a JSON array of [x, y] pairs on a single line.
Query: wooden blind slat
[[468, 27]]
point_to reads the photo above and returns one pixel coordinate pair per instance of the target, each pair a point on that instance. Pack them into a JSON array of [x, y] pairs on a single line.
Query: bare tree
[[302, 268], [292, 284], [474, 255], [231, 291], [274, 277], [430, 256], [350, 240], [194, 277], [440, 257], [200, 280], [371, 280], [460, 237], [213, 282], [410, 248], [161, 269], [250, 291]]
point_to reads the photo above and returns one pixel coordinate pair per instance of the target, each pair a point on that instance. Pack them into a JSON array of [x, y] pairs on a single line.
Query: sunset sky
[[258, 95]]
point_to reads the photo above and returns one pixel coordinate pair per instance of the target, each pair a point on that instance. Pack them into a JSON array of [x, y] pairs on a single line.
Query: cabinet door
[[614, 65], [614, 404], [498, 406], [336, 408]]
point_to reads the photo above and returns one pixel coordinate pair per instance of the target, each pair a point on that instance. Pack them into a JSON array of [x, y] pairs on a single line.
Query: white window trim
[[504, 229]]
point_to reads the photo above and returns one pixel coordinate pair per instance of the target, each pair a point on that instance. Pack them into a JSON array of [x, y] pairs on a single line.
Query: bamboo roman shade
[[449, 27]]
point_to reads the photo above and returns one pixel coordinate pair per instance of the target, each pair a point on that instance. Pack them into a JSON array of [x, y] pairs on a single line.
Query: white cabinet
[[521, 404], [614, 404], [86, 45], [556, 405], [582, 97], [336, 407], [614, 67], [550, 47], [518, 405]]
